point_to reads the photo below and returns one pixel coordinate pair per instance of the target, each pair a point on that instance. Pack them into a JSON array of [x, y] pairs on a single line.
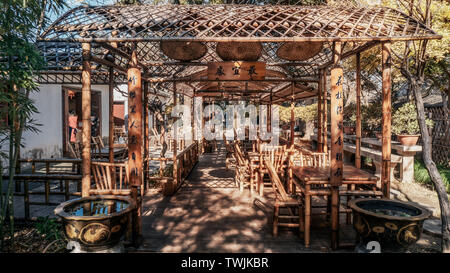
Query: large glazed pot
[[96, 222], [390, 222]]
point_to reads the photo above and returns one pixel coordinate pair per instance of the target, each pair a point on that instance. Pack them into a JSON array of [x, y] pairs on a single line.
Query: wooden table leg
[[261, 183], [251, 180], [307, 214]]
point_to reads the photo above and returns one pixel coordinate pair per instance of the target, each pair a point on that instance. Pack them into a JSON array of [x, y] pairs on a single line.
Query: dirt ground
[[414, 192], [27, 239]]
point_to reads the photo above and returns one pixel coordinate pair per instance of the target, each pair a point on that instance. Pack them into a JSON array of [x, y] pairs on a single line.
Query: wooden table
[[315, 181]]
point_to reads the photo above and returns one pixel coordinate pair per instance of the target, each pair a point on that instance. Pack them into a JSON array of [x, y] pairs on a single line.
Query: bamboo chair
[[230, 160], [74, 149], [242, 169], [110, 178], [279, 159], [292, 203], [320, 190]]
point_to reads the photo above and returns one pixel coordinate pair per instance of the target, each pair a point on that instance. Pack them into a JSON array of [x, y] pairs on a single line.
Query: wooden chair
[[279, 159], [242, 169], [230, 160], [292, 203], [319, 189], [74, 149], [110, 178]]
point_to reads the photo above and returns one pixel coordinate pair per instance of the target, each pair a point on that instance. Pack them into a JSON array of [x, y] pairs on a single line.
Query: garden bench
[[375, 155]]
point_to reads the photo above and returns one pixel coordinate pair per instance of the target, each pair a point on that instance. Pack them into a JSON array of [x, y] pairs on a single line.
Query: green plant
[[306, 113], [404, 120], [371, 116], [168, 171], [421, 174], [49, 227], [350, 115]]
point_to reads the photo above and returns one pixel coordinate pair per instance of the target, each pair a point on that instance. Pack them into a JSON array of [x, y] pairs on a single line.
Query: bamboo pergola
[[300, 46]]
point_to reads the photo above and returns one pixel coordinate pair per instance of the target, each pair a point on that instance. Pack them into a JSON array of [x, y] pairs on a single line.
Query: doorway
[[71, 97]]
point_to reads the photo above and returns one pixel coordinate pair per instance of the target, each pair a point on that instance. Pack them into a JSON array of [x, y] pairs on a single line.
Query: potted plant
[[371, 118], [350, 119], [405, 125]]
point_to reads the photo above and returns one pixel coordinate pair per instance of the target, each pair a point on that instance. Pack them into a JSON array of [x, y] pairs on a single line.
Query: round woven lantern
[[299, 51], [183, 51], [239, 51]]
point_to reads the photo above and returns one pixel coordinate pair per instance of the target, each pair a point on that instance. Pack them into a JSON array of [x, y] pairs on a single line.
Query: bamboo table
[[315, 181]]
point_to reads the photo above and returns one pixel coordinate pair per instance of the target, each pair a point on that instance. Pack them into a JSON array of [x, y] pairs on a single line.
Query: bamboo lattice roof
[[271, 25]]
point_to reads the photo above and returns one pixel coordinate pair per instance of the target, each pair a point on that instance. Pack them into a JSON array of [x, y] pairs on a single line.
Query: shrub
[[404, 120], [421, 174]]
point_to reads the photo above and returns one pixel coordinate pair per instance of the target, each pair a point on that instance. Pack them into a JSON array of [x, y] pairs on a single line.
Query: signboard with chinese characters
[[135, 126], [236, 71], [337, 134]]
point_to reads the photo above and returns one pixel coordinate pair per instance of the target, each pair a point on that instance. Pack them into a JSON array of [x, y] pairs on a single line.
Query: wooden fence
[[440, 134]]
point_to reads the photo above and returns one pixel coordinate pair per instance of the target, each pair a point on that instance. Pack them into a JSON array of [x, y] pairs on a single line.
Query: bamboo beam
[[159, 63], [358, 111], [386, 120], [245, 39], [337, 141], [189, 79], [135, 141], [86, 120], [347, 54], [319, 115]]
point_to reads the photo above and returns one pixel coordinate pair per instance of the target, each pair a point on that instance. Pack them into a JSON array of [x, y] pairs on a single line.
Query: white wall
[[48, 142]]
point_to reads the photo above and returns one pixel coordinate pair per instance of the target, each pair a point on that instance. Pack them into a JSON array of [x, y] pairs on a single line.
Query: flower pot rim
[[407, 135]]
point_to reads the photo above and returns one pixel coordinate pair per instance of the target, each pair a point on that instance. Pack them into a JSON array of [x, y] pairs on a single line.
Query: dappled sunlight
[[209, 214]]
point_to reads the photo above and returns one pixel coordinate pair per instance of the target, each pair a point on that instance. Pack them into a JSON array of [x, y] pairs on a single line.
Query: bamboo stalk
[[86, 120], [358, 112], [325, 113], [319, 115], [386, 120], [337, 142]]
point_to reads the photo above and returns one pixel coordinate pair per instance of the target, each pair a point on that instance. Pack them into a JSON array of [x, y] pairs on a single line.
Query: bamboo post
[[174, 130], [319, 115], [292, 117], [386, 120], [135, 140], [325, 113], [111, 107], [358, 111], [269, 114], [146, 134], [111, 115], [86, 120], [337, 141]]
